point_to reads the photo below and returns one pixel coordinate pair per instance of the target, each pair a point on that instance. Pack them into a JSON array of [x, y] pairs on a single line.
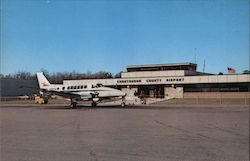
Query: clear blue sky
[[94, 35]]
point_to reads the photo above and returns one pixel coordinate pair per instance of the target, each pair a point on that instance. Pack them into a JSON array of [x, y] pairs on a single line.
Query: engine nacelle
[[95, 99]]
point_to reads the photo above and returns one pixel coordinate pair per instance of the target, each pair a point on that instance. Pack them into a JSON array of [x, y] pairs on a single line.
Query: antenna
[[195, 55], [204, 65]]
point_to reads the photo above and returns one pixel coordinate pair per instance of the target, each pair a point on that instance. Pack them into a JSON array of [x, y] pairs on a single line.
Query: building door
[[156, 91]]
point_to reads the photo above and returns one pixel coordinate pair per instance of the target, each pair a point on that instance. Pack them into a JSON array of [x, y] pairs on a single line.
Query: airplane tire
[[73, 105], [94, 104], [123, 104]]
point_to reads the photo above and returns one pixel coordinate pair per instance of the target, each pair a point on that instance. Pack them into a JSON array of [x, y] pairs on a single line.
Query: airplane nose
[[121, 93]]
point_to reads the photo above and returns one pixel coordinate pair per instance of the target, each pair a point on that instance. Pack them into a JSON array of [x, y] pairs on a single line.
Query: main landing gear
[[94, 104], [73, 104]]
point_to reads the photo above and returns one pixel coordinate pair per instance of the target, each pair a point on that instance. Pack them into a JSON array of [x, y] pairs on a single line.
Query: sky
[[109, 35]]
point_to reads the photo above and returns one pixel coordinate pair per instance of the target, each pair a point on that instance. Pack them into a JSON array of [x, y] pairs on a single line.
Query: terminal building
[[179, 80]]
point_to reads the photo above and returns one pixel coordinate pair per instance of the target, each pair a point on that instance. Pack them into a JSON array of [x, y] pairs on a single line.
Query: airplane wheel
[[123, 104], [94, 104], [73, 105]]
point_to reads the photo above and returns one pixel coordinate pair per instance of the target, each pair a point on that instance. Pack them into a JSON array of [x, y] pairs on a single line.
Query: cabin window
[[63, 88], [57, 88], [74, 87], [81, 87], [78, 87], [68, 87], [85, 86], [71, 87]]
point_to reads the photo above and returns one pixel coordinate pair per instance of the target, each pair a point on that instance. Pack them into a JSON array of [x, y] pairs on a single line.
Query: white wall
[[235, 78], [172, 92], [156, 73]]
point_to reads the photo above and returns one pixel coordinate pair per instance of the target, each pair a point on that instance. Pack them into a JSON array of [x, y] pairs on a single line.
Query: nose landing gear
[[73, 103], [123, 102]]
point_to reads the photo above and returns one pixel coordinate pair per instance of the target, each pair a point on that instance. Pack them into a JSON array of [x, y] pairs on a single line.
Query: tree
[[58, 77], [118, 75], [246, 72]]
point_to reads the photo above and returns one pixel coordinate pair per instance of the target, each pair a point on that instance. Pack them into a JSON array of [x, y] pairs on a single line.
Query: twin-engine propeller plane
[[92, 92]]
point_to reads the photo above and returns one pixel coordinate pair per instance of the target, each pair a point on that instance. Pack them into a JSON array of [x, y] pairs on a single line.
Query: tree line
[[58, 77]]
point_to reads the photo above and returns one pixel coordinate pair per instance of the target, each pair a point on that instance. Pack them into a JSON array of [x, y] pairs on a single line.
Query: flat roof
[[161, 65]]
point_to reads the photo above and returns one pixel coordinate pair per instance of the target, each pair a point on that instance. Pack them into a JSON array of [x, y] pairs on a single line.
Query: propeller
[[94, 95]]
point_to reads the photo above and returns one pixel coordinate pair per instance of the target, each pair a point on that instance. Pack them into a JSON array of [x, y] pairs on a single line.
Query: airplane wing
[[64, 94], [70, 95]]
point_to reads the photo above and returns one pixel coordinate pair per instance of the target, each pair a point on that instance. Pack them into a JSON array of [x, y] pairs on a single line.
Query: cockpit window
[[96, 86]]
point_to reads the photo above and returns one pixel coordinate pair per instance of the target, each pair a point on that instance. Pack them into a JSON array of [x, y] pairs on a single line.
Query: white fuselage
[[87, 91]]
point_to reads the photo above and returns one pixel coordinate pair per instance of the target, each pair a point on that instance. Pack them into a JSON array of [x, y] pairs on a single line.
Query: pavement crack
[[170, 126], [227, 131], [185, 131]]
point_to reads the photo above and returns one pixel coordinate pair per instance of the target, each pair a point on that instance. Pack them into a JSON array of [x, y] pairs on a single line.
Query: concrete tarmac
[[111, 133]]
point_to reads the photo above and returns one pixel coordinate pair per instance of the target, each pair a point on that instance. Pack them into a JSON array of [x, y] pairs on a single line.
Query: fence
[[213, 98], [242, 98], [208, 101]]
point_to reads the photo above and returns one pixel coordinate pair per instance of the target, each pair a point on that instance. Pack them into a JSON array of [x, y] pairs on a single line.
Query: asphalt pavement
[[136, 133]]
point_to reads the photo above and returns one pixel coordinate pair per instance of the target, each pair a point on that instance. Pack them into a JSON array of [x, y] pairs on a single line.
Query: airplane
[[92, 92]]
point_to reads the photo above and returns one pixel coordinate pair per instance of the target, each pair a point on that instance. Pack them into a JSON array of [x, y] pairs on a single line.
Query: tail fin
[[42, 80]]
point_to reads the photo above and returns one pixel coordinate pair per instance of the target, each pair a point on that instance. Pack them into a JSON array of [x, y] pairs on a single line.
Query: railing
[[219, 100], [209, 101], [146, 100]]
